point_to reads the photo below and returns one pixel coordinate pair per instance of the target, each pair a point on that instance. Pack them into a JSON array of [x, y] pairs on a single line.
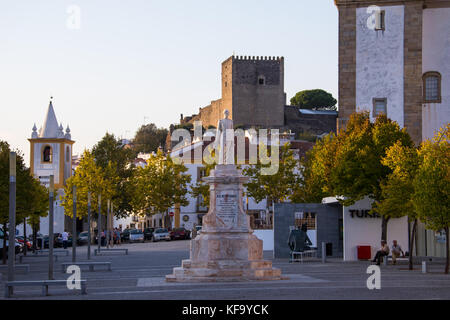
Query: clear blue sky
[[144, 60]]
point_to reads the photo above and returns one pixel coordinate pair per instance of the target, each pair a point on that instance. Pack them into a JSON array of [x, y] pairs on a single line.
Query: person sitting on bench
[[298, 239], [383, 252], [396, 251]]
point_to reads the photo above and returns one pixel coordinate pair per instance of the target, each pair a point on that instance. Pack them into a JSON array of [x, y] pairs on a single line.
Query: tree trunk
[[5, 252], [447, 247], [411, 245], [384, 223]]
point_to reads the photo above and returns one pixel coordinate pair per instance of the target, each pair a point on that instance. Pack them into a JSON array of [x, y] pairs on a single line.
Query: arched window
[[432, 87], [47, 154]]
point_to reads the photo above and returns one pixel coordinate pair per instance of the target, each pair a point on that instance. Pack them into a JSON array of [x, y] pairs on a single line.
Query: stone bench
[[303, 254], [9, 285], [36, 256], [386, 259], [26, 267], [38, 252], [90, 264], [97, 251]]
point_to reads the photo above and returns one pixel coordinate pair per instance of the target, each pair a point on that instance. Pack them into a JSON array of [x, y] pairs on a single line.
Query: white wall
[[47, 169], [379, 62], [267, 237], [436, 57], [367, 231]]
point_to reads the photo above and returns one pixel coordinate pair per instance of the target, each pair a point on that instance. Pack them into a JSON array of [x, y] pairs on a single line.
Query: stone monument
[[226, 249]]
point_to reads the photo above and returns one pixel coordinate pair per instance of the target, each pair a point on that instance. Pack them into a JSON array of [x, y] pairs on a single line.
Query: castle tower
[[253, 90], [51, 154], [393, 58]]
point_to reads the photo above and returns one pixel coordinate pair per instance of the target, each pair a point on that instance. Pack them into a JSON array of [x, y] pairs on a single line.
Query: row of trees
[[108, 171], [32, 200], [379, 160]]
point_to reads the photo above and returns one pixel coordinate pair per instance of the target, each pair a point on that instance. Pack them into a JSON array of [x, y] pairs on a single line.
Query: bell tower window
[[47, 154]]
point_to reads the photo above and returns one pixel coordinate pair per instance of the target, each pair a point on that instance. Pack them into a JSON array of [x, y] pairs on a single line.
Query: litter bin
[[329, 249], [364, 252]]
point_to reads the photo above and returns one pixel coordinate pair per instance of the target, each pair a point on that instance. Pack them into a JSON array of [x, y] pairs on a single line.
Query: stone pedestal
[[226, 249]]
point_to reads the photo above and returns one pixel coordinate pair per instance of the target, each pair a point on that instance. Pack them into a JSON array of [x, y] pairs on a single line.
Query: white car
[[136, 235], [161, 234]]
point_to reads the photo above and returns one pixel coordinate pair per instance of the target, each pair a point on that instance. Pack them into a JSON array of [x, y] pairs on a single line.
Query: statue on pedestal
[[224, 143], [226, 249]]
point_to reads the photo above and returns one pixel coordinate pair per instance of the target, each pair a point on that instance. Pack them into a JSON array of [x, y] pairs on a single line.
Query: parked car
[[25, 241], [82, 238], [148, 233], [137, 235], [180, 234], [18, 246], [125, 235], [161, 234]]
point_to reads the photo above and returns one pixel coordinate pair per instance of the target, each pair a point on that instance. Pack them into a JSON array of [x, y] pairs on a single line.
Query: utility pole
[[12, 216], [50, 228], [89, 226], [99, 223], [108, 207], [74, 225]]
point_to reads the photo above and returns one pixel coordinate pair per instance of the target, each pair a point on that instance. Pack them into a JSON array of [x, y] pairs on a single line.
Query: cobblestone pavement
[[140, 275]]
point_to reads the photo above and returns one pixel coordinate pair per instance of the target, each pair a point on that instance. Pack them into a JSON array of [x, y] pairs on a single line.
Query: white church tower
[[51, 154]]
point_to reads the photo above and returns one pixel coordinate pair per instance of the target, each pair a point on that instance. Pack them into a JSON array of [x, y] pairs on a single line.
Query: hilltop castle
[[253, 92]]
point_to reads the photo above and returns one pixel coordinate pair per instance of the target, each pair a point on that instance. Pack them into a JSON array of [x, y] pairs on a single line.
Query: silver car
[[161, 234], [136, 236]]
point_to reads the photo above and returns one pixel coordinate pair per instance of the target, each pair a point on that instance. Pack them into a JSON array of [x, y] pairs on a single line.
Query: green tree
[[432, 185], [277, 187], [315, 171], [201, 188], [159, 186], [90, 177], [149, 138], [349, 165], [314, 99], [397, 190], [110, 152], [29, 194]]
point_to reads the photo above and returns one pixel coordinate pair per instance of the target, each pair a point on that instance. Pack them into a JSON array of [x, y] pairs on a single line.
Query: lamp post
[[50, 228], [12, 215], [89, 226], [99, 223], [74, 225]]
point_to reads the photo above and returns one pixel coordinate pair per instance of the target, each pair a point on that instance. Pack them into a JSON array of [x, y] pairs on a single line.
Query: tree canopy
[[149, 138], [110, 153], [159, 186], [314, 99], [349, 165], [277, 187], [90, 177], [431, 198]]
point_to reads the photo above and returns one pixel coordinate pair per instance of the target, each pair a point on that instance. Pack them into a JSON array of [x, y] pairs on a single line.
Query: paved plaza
[[140, 275]]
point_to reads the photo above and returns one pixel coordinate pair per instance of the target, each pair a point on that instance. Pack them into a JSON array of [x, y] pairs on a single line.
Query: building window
[[432, 87], [47, 154], [379, 106], [67, 154], [380, 20], [308, 218], [261, 81]]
